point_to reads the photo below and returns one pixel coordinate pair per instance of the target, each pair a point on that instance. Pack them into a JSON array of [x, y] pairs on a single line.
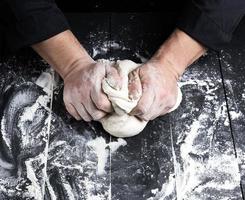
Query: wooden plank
[[188, 153], [25, 118], [233, 67], [78, 155], [79, 161], [205, 162], [144, 168], [210, 143]]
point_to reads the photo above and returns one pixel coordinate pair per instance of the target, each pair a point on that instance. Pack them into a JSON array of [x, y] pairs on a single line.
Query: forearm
[[178, 51], [62, 52]]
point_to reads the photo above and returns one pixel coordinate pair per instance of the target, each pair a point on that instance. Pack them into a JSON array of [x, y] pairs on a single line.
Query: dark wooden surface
[[233, 68], [196, 152]]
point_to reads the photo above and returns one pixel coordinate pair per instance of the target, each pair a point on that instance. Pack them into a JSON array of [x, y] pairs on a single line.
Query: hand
[[158, 85], [157, 79], [82, 76], [83, 96]]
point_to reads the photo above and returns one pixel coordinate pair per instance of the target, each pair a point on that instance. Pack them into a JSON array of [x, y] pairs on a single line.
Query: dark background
[[167, 8], [120, 5]]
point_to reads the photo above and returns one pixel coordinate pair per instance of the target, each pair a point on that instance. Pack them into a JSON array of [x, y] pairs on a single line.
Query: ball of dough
[[119, 123], [122, 125]]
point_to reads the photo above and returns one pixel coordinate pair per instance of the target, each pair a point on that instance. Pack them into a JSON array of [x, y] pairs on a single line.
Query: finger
[[164, 107], [134, 85], [113, 77], [157, 113], [100, 99], [145, 102], [93, 111], [151, 111], [82, 112], [70, 108]]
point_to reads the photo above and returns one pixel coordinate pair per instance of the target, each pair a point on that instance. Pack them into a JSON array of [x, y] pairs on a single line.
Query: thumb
[[134, 85], [113, 77]]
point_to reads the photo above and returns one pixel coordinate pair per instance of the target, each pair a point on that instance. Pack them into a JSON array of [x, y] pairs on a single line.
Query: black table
[[195, 152]]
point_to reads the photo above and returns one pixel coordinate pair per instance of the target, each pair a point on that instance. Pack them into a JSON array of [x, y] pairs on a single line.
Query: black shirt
[[26, 22]]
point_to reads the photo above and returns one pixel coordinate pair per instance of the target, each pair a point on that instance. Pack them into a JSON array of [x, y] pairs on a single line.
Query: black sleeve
[[32, 21], [211, 22]]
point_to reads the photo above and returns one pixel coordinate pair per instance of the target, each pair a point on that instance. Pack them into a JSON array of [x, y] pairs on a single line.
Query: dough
[[119, 123]]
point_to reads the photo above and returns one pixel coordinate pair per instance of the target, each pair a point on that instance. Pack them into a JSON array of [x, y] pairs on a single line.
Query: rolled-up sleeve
[[33, 21], [211, 22]]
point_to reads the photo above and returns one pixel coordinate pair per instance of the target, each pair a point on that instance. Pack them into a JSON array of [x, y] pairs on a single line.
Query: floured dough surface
[[119, 123]]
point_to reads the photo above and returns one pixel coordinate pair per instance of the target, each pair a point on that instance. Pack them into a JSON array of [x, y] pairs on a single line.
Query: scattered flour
[[192, 172], [51, 190], [45, 81], [28, 116], [89, 187], [202, 164], [235, 115], [243, 95], [105, 47], [142, 58], [68, 189], [167, 191], [4, 164], [4, 134], [35, 188], [154, 191], [100, 148]]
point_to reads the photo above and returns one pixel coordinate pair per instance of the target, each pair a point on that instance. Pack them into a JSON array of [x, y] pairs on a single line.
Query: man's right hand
[[83, 96]]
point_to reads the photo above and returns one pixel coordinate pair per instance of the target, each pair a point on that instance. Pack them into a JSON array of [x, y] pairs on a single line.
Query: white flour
[[35, 188], [28, 115], [105, 47], [100, 148], [200, 164]]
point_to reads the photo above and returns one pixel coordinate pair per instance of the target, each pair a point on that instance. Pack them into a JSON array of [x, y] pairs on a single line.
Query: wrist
[[178, 52], [75, 66], [62, 51], [166, 66]]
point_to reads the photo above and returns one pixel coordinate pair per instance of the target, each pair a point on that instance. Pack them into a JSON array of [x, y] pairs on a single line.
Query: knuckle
[[145, 86], [79, 90], [65, 100], [72, 112], [164, 112], [98, 115], [86, 118], [72, 93], [102, 105], [154, 117], [141, 109], [77, 117], [68, 108], [99, 105], [146, 118], [66, 97], [171, 103], [163, 94]]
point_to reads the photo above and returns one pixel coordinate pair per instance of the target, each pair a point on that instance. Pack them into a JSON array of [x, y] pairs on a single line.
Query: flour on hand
[[120, 123]]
